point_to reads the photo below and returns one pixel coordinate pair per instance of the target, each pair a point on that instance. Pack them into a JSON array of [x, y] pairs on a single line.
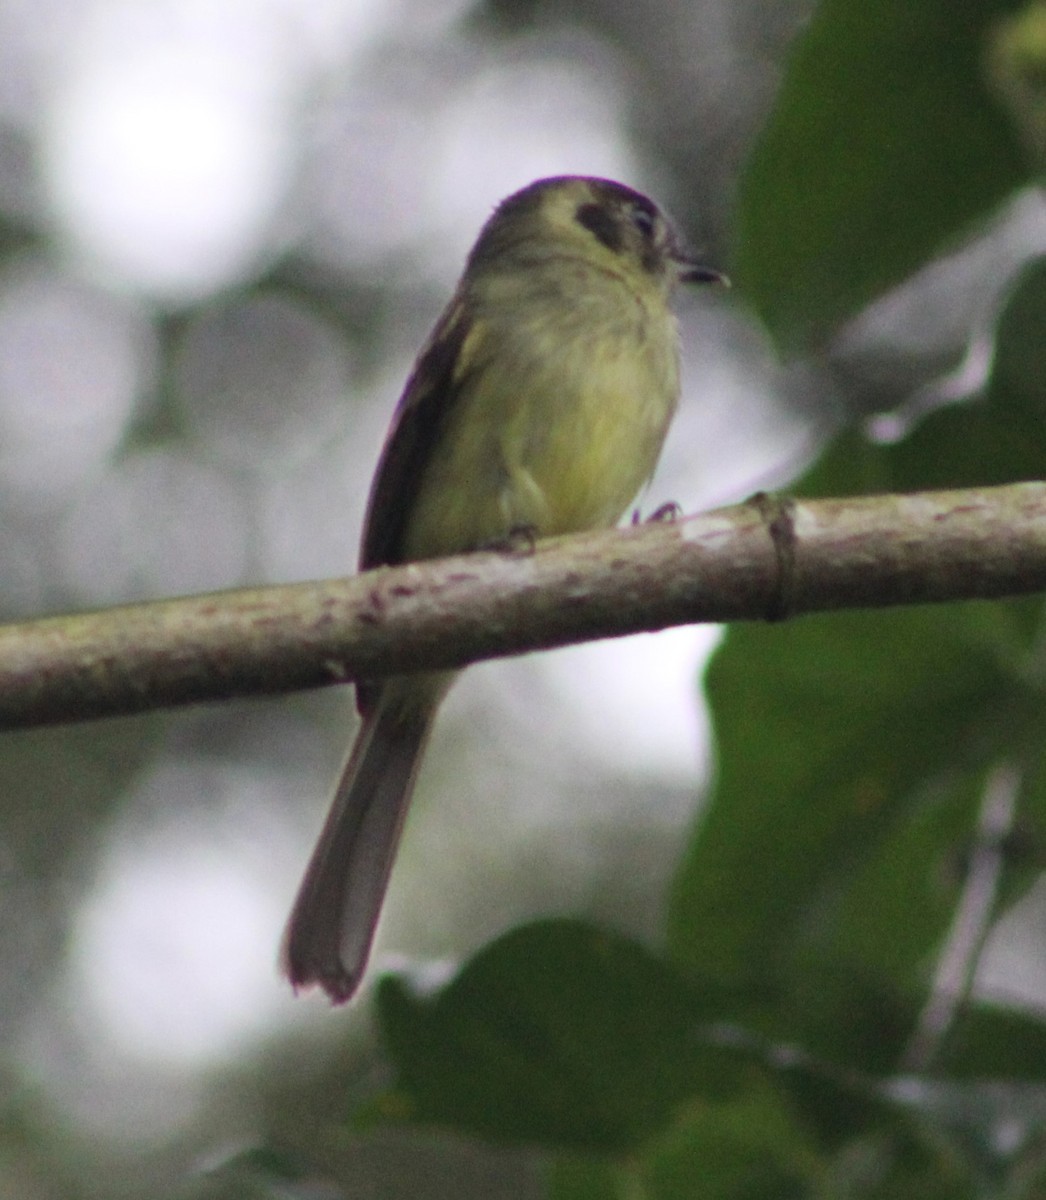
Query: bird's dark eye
[[643, 220]]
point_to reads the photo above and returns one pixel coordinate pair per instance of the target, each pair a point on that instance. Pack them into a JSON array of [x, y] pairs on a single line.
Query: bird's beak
[[689, 270]]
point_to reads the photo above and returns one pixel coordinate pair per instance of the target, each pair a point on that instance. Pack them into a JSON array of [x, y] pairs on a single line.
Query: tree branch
[[764, 560]]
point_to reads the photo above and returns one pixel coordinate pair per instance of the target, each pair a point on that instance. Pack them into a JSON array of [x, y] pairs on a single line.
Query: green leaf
[[883, 149], [556, 1033], [844, 741], [734, 1150], [976, 444], [761, 1144], [994, 438], [991, 1042], [1018, 380], [590, 1178], [899, 900]]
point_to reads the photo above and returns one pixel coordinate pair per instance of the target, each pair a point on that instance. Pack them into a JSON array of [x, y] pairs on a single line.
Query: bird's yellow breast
[[563, 395]]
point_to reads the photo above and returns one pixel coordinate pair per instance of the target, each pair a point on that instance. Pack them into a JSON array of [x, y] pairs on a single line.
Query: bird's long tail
[[332, 924]]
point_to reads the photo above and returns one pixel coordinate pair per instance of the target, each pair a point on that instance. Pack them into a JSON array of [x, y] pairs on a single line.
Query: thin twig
[[971, 922]]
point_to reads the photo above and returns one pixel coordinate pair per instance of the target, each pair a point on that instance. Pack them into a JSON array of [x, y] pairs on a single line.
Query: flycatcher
[[537, 406]]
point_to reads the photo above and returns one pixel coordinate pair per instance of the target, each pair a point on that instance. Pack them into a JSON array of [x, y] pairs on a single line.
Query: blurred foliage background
[[777, 935]]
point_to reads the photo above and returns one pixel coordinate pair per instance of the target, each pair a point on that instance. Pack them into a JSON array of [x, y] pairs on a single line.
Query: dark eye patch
[[602, 223]]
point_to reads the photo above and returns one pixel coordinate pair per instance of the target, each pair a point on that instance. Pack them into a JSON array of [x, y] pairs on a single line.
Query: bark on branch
[[767, 559]]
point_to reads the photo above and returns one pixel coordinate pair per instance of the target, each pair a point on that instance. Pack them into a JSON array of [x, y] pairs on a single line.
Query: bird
[[537, 406]]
